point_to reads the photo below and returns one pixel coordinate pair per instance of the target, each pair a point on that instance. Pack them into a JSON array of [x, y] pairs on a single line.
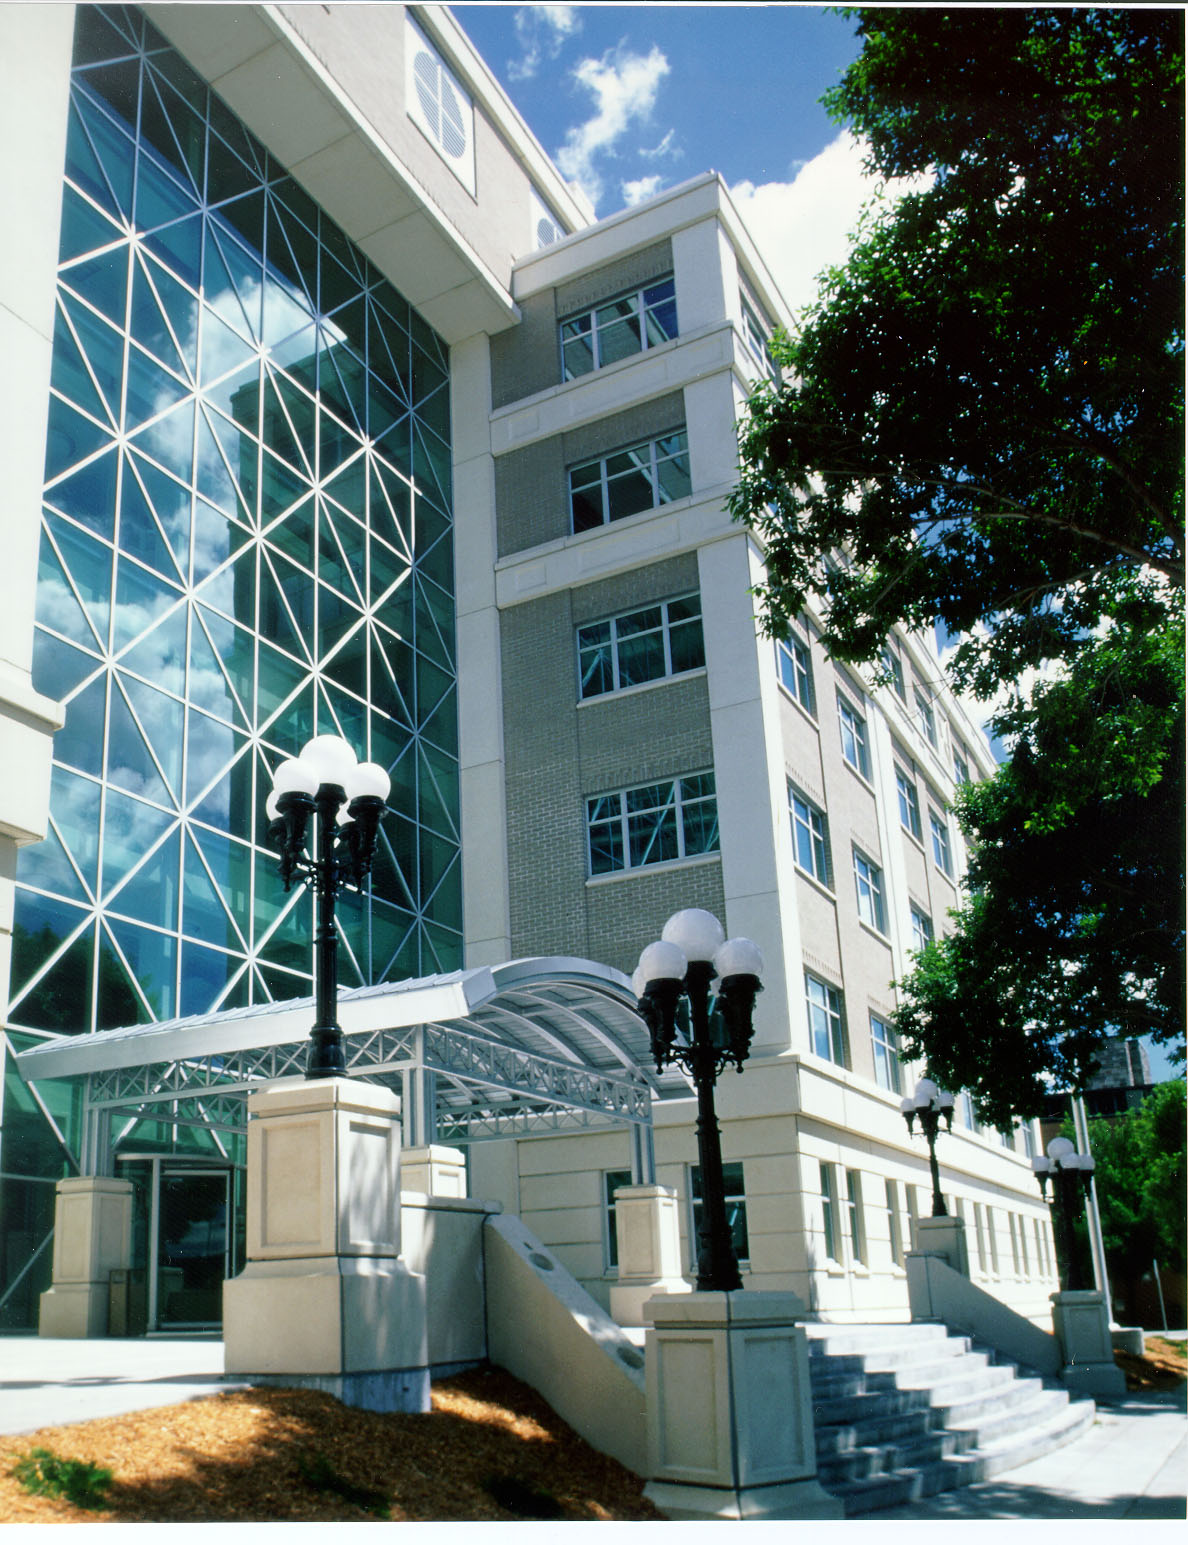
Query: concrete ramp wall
[[937, 1292], [543, 1327]]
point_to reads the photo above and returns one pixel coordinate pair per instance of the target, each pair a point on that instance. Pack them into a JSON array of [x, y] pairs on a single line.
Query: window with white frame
[[894, 666], [868, 882], [640, 646], [894, 1223], [734, 1186], [921, 929], [853, 736], [757, 335], [829, 1218], [855, 1223], [926, 717], [796, 671], [909, 803], [960, 764], [827, 1035], [618, 328], [992, 1237], [639, 477], [655, 823], [612, 1179], [885, 1045], [810, 836], [940, 842]]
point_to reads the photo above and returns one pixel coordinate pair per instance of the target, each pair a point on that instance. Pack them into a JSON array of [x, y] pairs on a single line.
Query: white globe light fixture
[[1071, 1176], [927, 1104]]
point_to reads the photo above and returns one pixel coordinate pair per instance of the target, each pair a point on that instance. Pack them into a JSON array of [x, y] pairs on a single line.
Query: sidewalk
[[1132, 1463]]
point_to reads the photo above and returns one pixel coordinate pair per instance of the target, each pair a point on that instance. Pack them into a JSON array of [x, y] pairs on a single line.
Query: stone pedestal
[[324, 1301], [434, 1170], [1082, 1327], [92, 1238], [944, 1237], [730, 1415], [647, 1228]]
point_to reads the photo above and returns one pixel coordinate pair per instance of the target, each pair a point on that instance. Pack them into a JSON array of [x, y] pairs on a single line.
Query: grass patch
[[79, 1481]]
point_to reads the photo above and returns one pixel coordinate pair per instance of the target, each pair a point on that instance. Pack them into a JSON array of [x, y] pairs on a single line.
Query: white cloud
[[803, 226], [540, 31], [664, 148], [642, 188], [624, 86]]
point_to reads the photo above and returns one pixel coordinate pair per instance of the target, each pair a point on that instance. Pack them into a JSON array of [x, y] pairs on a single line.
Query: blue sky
[[631, 99]]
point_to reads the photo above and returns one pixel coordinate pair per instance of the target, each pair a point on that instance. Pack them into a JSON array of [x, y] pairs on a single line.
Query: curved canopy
[[546, 1043]]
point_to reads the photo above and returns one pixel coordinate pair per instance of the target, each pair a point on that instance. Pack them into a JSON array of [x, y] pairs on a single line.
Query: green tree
[[1072, 929], [983, 410]]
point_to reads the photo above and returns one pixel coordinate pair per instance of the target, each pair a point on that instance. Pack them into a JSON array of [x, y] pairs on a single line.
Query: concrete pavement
[[1132, 1463]]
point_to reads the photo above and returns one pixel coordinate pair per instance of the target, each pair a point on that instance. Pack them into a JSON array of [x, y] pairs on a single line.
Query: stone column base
[[1083, 1330], [627, 1299], [390, 1389], [74, 1310], [92, 1238], [944, 1237], [792, 1499]]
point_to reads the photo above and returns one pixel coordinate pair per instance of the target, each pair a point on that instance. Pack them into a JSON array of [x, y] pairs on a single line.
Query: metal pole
[[717, 1265], [930, 1121], [1096, 1241], [1159, 1290], [326, 1056]]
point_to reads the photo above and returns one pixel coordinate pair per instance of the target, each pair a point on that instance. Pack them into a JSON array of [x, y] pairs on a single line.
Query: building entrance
[[183, 1245]]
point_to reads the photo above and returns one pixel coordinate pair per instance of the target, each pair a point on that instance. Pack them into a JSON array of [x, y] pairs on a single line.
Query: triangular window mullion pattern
[[240, 403]]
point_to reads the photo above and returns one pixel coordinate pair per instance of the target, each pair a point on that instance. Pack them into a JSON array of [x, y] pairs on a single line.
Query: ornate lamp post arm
[[682, 966], [322, 780]]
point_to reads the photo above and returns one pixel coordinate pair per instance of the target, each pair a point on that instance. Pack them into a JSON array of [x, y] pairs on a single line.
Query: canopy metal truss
[[531, 1046]]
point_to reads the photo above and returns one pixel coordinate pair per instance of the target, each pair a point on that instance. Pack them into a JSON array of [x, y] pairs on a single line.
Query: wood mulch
[[491, 1448], [1162, 1366]]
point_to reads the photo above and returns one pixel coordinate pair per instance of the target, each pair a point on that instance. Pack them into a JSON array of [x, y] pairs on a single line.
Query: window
[[829, 1219], [960, 764], [641, 646], [1041, 1252], [894, 667], [940, 842], [926, 717], [921, 929], [757, 335], [853, 736], [796, 671], [868, 879], [618, 328], [736, 1208], [909, 804], [810, 837], [894, 1226], [653, 824], [612, 1179], [854, 1220], [886, 1054], [980, 1225], [641, 477], [965, 1111], [826, 1028]]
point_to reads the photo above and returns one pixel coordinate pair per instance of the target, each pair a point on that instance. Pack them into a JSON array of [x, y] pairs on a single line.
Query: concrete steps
[[904, 1411]]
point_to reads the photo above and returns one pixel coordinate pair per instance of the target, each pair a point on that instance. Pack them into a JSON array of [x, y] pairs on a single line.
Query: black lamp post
[[348, 798], [673, 981], [1071, 1174], [927, 1105]]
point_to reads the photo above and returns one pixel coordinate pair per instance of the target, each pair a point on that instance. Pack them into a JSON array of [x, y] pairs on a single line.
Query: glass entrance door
[[192, 1248]]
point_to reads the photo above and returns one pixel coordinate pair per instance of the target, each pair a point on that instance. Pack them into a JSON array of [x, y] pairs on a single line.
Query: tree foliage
[[1073, 924], [983, 410]]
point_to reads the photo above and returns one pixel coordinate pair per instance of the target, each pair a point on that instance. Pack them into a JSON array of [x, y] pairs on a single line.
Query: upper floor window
[[909, 804], [653, 824], [940, 842], [757, 335], [827, 1035], [921, 929], [926, 717], [810, 836], [886, 1054], [796, 671], [960, 764], [618, 328], [868, 878], [894, 667], [640, 646], [642, 477], [853, 736]]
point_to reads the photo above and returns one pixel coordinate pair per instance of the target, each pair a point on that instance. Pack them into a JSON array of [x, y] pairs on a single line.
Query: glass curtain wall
[[246, 541]]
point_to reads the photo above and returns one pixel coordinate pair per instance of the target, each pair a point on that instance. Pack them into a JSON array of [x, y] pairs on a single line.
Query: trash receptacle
[[127, 1306]]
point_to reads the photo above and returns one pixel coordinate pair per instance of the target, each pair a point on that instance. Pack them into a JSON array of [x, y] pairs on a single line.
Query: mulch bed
[[1163, 1365], [491, 1449]]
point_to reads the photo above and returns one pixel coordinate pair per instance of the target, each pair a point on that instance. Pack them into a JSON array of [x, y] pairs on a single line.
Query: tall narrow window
[[826, 1028], [960, 764], [926, 717], [909, 804], [894, 1225], [980, 1226], [796, 671], [853, 736], [854, 1220], [829, 1219], [921, 929], [733, 1182], [940, 842], [868, 881], [612, 1179], [886, 1054], [894, 666], [810, 837]]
